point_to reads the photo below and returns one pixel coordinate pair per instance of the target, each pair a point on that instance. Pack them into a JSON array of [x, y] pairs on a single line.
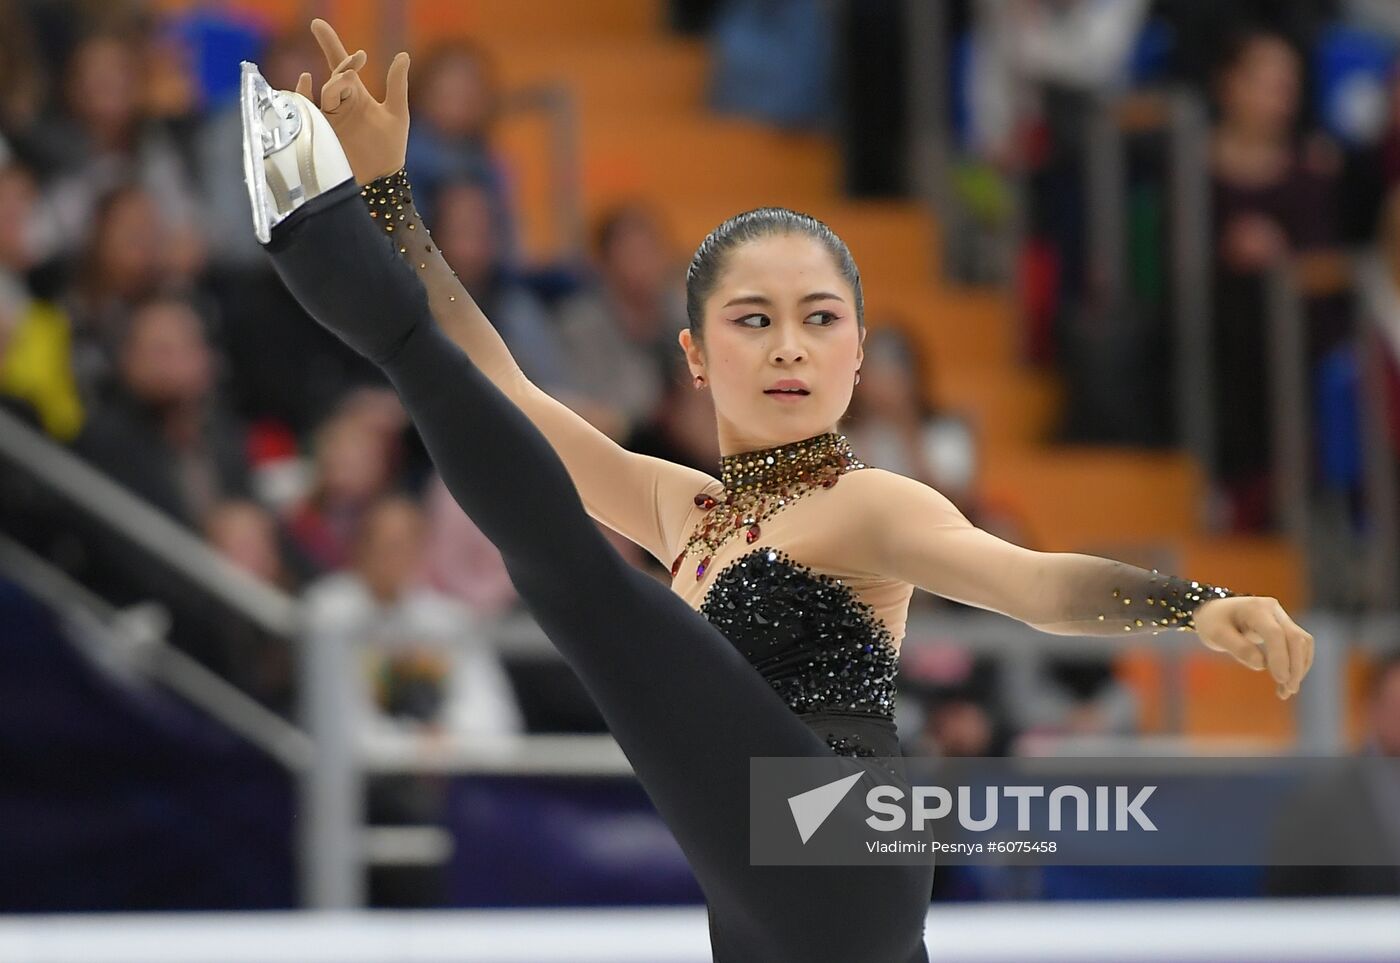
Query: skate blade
[[270, 125], [252, 97]]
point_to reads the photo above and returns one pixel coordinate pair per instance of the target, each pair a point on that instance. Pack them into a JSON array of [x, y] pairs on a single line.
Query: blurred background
[[1132, 273]]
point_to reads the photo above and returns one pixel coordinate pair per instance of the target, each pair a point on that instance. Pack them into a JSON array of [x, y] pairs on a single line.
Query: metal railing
[[1382, 481], [145, 527], [1179, 115], [930, 144], [136, 641], [1345, 573], [557, 103]]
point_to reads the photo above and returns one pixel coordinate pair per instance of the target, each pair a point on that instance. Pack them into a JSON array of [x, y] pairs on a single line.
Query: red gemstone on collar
[[676, 565], [705, 501], [752, 534]]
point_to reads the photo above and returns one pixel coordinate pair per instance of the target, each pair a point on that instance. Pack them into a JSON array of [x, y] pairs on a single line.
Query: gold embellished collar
[[757, 484], [795, 460]]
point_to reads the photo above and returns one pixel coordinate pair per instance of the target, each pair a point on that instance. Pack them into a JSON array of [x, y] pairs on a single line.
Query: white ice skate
[[290, 152]]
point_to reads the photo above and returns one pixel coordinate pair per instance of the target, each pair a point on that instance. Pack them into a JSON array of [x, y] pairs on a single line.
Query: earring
[[857, 376], [699, 382]]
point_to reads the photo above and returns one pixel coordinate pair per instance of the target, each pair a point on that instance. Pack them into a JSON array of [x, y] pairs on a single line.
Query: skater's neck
[[821, 454]]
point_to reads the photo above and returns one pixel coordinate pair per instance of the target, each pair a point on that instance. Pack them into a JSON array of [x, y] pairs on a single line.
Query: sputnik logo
[[810, 808]]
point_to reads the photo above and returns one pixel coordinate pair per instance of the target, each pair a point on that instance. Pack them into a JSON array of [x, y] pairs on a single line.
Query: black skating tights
[[686, 707]]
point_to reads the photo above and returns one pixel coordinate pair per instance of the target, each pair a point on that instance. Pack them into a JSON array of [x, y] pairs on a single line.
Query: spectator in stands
[[460, 561], [22, 81], [456, 102], [1353, 809], [18, 197], [895, 425], [463, 564], [109, 139], [352, 471], [125, 263], [684, 427], [620, 333], [957, 694], [1069, 695], [163, 432], [421, 666], [467, 230], [1071, 49], [773, 60], [378, 408], [1383, 730], [1271, 197], [36, 367], [246, 534], [427, 667]]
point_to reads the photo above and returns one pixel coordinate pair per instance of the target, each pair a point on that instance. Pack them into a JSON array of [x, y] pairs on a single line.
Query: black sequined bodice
[[818, 645]]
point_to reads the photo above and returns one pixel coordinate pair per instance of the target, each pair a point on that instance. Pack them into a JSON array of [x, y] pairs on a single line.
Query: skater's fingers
[[345, 84], [1263, 629], [1231, 640], [339, 92], [304, 85], [396, 88], [329, 41], [352, 63]]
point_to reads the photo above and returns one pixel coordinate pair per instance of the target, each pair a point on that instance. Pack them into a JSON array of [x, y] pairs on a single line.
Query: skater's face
[[781, 310]]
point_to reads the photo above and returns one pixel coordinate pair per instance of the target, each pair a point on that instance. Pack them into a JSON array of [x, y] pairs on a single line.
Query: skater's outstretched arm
[[643, 498], [915, 534]]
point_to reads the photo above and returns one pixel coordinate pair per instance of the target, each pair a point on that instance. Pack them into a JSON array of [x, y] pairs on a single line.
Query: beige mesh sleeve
[[917, 535], [645, 499]]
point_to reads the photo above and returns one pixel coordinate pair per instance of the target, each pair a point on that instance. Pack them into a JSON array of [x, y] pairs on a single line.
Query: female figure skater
[[801, 583]]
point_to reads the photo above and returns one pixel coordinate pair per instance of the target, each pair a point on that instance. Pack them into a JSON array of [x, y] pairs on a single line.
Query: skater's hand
[[1258, 632], [373, 134]]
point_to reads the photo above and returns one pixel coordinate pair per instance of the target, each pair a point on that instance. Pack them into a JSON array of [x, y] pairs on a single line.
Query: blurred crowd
[[1302, 106], [141, 326]]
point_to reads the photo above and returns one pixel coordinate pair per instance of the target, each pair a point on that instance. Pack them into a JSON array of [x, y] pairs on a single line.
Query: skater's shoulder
[[884, 490], [881, 506]]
